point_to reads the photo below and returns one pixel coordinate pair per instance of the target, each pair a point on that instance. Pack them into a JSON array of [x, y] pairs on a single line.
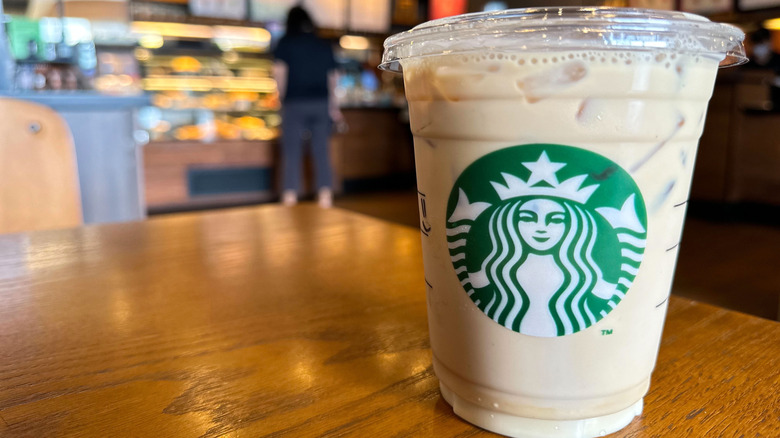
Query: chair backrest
[[39, 186]]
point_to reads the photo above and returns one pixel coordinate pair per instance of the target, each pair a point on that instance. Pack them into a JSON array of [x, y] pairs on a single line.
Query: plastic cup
[[554, 152]]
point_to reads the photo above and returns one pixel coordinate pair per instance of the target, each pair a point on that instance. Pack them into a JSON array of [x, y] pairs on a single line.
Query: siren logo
[[546, 239]]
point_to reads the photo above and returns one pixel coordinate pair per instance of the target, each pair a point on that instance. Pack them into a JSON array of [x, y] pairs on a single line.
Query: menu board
[[270, 11], [364, 15], [706, 6], [750, 5], [665, 5], [230, 9], [370, 16], [329, 14]]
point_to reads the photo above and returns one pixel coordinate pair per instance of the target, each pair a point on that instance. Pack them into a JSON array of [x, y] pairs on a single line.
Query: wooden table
[[291, 323]]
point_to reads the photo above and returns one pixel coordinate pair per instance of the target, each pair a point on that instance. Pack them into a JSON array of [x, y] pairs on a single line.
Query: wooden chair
[[39, 186]]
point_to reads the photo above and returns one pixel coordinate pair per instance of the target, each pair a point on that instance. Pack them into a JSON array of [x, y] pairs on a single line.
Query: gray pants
[[302, 119]]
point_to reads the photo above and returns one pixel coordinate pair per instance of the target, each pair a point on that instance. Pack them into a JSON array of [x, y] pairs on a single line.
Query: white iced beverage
[[554, 167]]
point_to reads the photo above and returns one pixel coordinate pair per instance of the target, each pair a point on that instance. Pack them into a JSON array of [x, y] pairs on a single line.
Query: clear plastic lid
[[554, 29]]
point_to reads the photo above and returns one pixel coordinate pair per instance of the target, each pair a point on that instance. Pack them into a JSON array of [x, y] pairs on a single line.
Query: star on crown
[[543, 170]]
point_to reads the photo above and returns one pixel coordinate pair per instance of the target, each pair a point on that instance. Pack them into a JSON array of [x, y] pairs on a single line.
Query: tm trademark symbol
[[606, 332]]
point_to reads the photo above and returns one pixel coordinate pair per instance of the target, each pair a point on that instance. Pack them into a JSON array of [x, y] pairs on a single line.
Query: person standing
[[305, 73]]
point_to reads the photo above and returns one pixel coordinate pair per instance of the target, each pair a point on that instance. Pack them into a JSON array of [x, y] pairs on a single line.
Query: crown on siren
[[543, 170]]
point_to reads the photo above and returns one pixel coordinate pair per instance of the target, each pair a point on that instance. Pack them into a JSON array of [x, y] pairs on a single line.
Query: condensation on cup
[[554, 150]]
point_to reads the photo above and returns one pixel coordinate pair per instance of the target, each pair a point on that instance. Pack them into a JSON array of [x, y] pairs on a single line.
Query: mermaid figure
[[541, 270], [540, 276]]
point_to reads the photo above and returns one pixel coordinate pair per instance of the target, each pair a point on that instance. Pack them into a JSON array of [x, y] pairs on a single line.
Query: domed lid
[[570, 28]]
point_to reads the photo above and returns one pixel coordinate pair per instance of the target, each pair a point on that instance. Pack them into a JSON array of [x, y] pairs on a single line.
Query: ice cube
[[552, 81]]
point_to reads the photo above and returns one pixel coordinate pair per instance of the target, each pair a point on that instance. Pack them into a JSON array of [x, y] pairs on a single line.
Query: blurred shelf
[[230, 112], [208, 83], [189, 19]]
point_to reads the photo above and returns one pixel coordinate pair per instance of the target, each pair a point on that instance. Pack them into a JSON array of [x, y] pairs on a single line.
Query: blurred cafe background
[[173, 107]]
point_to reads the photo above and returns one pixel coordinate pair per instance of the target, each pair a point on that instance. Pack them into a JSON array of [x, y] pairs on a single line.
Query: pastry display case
[[209, 98], [214, 116]]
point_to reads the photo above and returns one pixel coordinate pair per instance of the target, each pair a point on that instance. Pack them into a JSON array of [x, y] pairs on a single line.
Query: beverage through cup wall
[[554, 150]]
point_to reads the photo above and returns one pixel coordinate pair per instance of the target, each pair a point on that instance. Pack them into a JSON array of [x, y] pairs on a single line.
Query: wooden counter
[[188, 175], [375, 153], [739, 152], [292, 322]]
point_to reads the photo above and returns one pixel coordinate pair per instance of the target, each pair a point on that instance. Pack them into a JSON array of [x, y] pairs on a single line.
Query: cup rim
[[568, 28]]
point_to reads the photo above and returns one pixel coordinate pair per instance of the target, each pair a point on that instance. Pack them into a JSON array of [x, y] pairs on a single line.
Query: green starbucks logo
[[546, 239]]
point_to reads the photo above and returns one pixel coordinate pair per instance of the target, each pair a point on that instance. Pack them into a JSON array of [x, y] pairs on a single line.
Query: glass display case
[[214, 114], [207, 98], [207, 83]]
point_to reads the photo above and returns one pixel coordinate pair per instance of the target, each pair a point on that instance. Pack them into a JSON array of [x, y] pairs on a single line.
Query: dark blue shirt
[[308, 60]]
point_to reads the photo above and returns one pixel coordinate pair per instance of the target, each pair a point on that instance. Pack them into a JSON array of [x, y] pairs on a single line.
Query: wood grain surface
[[291, 322]]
